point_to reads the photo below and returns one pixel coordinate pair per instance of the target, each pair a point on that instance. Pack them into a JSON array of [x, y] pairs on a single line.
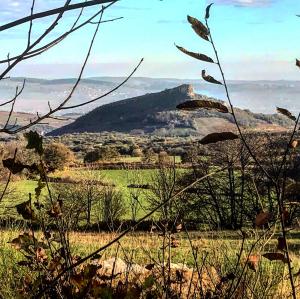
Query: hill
[[156, 113]]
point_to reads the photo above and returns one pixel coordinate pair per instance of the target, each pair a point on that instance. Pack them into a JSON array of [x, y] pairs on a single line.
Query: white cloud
[[245, 3]]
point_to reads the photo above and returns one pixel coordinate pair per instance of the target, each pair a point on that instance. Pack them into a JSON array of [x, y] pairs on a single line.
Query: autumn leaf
[[262, 218], [41, 255], [276, 256], [198, 56], [216, 137], [209, 78], [56, 210], [298, 62], [23, 241], [204, 104], [281, 245], [17, 167], [34, 141], [13, 166], [252, 261], [174, 242], [198, 27], [150, 266], [287, 113], [207, 14], [294, 144], [25, 210]]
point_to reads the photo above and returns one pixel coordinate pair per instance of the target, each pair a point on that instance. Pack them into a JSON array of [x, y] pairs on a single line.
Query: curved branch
[[55, 11], [125, 232], [108, 93]]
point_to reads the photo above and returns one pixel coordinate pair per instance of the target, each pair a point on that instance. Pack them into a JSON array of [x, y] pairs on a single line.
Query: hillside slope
[[156, 113]]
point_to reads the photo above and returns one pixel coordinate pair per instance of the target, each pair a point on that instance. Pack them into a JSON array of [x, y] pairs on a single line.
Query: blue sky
[[256, 39]]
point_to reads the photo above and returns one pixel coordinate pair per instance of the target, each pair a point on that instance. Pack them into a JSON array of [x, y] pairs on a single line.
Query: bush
[[57, 156], [104, 153], [113, 206]]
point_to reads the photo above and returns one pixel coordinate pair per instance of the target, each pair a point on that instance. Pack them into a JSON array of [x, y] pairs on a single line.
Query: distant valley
[[257, 96]]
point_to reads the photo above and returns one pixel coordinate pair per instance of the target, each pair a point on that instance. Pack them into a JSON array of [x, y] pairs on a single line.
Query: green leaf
[[207, 14], [216, 137], [209, 78], [203, 104], [198, 56], [198, 27], [35, 141]]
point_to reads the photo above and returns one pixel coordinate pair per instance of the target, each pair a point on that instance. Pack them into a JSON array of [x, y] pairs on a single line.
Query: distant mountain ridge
[[156, 113], [258, 96]]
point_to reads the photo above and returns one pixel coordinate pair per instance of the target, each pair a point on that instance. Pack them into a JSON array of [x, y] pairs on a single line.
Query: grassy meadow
[[219, 249]]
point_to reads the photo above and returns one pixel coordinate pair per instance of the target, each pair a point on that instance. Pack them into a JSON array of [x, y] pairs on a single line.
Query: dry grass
[[216, 253]]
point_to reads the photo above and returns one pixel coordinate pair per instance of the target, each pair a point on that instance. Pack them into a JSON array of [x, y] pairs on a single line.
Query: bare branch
[[55, 11], [16, 95], [108, 93]]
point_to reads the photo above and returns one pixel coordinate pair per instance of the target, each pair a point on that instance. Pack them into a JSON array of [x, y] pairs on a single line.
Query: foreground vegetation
[[145, 250]]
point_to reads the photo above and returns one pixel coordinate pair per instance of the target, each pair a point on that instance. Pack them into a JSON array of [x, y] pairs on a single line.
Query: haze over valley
[[257, 96]]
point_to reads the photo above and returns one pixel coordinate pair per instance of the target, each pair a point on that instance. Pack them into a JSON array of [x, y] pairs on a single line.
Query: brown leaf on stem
[[203, 104], [276, 256], [287, 113], [209, 78], [198, 27], [207, 14], [25, 210], [281, 245], [262, 218], [198, 56], [216, 137], [252, 262], [41, 255]]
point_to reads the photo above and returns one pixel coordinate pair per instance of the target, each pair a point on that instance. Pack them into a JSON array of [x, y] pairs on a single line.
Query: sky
[[256, 39]]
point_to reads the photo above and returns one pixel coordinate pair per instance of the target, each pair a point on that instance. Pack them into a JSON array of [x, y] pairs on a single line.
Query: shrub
[[113, 206], [103, 153], [57, 156]]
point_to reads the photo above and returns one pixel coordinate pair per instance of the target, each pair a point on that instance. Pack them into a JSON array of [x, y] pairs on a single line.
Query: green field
[[21, 189]]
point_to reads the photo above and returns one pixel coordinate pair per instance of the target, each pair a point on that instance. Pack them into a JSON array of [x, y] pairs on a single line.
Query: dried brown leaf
[[198, 56], [199, 27], [207, 14], [287, 113], [262, 218], [203, 104], [209, 78], [216, 137], [275, 256]]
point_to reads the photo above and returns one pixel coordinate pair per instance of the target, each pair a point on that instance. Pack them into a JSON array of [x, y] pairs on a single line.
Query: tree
[[103, 153], [57, 156]]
